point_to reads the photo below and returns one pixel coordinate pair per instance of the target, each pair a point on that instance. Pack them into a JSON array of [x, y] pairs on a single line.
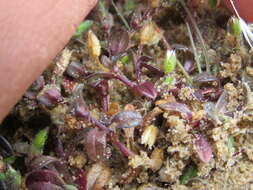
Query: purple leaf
[[75, 70], [127, 119], [79, 107], [146, 89], [101, 75], [177, 107], [203, 149], [49, 96], [144, 58], [96, 145], [44, 175], [123, 149], [118, 41], [153, 69], [139, 61], [229, 114], [81, 110], [41, 161], [44, 186], [103, 88], [204, 78]]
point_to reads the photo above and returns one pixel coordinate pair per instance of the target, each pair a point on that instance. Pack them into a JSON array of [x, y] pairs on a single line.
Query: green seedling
[[190, 172], [129, 5], [39, 142], [83, 27], [170, 61], [235, 27], [124, 59], [168, 80]]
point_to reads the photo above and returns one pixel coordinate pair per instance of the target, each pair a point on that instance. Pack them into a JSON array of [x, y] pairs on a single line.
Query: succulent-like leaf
[[39, 142], [41, 161], [127, 119], [146, 89], [75, 70], [44, 175], [96, 145], [49, 96], [177, 107], [203, 149], [44, 186], [204, 77]]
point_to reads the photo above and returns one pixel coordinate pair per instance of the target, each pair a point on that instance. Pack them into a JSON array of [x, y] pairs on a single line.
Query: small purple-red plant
[[203, 149]]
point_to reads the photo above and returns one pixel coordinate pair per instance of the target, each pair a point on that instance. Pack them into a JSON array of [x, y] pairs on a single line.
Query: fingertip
[[32, 33]]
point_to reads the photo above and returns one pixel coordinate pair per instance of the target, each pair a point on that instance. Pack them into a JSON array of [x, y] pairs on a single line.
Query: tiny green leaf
[[84, 26], [39, 141], [168, 80], [70, 187], [170, 61], [14, 175], [230, 144], [189, 173], [129, 5], [124, 59], [235, 26]]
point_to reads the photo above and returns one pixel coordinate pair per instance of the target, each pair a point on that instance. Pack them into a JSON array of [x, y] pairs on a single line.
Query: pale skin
[[32, 33]]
